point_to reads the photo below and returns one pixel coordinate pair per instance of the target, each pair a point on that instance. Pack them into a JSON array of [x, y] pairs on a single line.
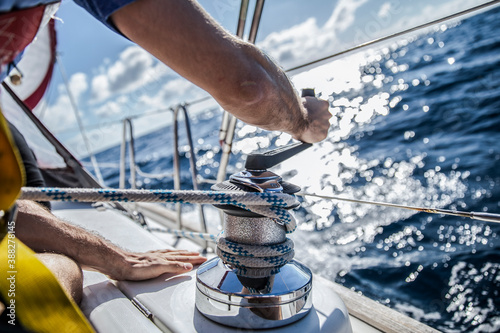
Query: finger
[[323, 105], [186, 253], [177, 267], [151, 272], [168, 251], [175, 251], [181, 266], [190, 259]]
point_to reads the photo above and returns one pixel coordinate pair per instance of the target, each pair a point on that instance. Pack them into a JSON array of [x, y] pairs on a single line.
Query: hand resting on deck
[[45, 233], [148, 265]]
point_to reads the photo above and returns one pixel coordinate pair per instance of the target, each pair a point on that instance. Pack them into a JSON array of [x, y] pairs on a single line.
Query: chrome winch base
[[253, 303], [234, 300]]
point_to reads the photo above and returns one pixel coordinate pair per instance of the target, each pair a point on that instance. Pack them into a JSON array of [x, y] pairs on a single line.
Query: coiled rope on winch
[[255, 260]]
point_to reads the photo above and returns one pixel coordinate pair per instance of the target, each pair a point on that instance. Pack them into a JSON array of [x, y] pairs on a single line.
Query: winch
[[255, 282]]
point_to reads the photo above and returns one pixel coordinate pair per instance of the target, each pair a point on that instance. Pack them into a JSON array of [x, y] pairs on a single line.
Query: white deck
[[167, 302]]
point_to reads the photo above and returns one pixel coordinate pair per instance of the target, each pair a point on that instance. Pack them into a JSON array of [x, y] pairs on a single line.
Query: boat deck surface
[[167, 303]]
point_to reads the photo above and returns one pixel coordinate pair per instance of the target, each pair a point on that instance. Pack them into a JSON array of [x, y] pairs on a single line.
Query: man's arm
[[44, 232], [242, 79]]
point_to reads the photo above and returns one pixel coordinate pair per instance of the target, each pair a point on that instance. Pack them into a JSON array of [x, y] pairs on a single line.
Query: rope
[[245, 250], [258, 262], [272, 205], [255, 260]]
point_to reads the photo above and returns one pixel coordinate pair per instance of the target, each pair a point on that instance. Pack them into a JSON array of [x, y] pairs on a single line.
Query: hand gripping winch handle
[[271, 158]]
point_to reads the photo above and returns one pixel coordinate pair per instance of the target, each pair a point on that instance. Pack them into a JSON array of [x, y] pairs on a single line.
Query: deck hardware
[[250, 297], [143, 309]]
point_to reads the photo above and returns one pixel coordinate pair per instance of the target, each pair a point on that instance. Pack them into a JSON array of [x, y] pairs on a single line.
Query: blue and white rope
[[272, 205], [255, 260], [245, 250]]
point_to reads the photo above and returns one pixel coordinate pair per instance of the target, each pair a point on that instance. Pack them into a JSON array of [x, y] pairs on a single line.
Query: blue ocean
[[415, 122]]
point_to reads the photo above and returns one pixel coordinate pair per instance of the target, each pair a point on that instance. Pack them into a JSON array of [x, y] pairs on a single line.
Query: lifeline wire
[[488, 217], [398, 34]]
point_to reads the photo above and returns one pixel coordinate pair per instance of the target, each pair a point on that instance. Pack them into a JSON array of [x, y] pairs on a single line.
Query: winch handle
[[308, 92], [273, 157]]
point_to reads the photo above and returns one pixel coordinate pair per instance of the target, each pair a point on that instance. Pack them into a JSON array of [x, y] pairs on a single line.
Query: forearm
[[239, 76], [44, 232]]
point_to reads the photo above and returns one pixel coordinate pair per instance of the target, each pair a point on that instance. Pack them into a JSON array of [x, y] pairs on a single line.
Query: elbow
[[248, 83], [249, 92], [250, 89], [249, 100], [245, 98]]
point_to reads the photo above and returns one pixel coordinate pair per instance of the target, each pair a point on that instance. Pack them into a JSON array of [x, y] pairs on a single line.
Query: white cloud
[[109, 108], [134, 69], [78, 85], [172, 92], [60, 115], [175, 91], [401, 16], [384, 9], [301, 41], [343, 15], [100, 87], [352, 22], [292, 43]]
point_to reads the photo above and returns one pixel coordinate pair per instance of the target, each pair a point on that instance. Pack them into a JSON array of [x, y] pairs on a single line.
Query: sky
[[111, 78]]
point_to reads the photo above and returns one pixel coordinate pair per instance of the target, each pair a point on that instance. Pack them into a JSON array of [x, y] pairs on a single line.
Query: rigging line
[[397, 34], [139, 115], [186, 104], [79, 121], [118, 121], [488, 217]]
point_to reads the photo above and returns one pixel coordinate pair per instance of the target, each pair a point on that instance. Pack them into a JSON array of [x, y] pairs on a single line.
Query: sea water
[[416, 122]]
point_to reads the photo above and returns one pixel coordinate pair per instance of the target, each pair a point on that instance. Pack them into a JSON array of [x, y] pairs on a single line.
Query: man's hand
[[317, 120], [148, 265]]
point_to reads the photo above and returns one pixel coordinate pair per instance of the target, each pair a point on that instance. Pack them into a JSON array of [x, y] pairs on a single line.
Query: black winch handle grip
[[308, 92], [273, 157]]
